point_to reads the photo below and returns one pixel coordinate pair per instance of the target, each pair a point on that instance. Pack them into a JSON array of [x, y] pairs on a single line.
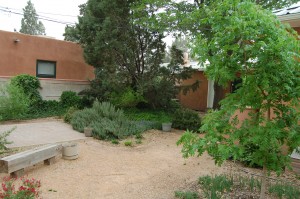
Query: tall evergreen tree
[[124, 54], [29, 23]]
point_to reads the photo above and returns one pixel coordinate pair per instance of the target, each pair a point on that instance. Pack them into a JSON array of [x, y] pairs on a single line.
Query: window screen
[[46, 69]]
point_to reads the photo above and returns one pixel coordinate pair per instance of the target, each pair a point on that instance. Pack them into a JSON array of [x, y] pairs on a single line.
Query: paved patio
[[40, 132]]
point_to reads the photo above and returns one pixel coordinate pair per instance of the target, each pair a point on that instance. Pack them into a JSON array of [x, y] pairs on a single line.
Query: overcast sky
[[56, 9], [61, 11]]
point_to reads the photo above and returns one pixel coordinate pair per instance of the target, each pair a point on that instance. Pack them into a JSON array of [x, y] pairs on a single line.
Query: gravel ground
[[153, 169]]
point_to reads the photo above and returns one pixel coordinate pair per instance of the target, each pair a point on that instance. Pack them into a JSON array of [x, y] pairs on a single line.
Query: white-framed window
[[46, 69]]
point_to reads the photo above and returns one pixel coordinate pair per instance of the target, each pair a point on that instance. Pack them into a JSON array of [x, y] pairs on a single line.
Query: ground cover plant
[[20, 188]]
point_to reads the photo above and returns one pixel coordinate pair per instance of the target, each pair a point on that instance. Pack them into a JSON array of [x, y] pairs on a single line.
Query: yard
[[151, 169]]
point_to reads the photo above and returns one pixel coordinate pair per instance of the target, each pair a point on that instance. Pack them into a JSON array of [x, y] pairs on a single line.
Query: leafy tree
[[29, 23], [183, 17], [250, 42]]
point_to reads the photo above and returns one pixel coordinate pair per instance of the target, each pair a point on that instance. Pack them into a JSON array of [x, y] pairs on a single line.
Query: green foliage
[[30, 86], [249, 41], [284, 190], [115, 141], [4, 141], [69, 99], [186, 119], [128, 143], [45, 108], [29, 23], [186, 195], [156, 115], [128, 98], [69, 114], [107, 122], [13, 102]]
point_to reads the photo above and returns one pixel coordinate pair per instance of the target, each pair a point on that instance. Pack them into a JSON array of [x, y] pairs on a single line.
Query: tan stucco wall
[[197, 99], [21, 57]]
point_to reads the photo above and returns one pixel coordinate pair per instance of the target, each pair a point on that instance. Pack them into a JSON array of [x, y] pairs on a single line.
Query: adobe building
[[58, 64]]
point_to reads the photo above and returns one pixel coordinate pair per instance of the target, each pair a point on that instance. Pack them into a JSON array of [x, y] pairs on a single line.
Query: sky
[[62, 11]]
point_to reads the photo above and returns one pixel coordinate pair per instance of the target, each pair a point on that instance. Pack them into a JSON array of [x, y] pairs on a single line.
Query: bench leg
[[17, 174], [49, 161]]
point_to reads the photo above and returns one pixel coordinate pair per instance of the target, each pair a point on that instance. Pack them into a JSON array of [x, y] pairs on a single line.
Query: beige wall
[[52, 89]]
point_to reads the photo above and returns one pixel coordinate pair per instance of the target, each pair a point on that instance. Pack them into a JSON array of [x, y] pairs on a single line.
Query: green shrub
[[186, 195], [107, 122], [30, 86], [13, 102], [126, 99], [159, 116], [45, 108], [285, 191], [69, 114], [186, 119], [69, 99]]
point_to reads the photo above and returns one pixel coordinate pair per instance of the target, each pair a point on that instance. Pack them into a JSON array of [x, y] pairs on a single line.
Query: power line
[[48, 13], [45, 18]]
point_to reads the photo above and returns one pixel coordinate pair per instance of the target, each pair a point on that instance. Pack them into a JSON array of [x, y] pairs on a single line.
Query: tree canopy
[[124, 53], [29, 23], [250, 43]]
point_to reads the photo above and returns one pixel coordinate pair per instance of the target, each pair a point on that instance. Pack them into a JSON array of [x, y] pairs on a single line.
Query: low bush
[[30, 85], [69, 114], [45, 108], [158, 116], [69, 99], [107, 122], [186, 119], [13, 102]]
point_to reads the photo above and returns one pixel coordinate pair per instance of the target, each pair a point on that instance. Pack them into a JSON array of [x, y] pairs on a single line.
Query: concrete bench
[[15, 164]]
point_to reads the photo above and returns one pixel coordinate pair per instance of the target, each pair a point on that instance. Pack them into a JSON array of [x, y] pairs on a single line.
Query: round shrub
[[186, 119], [69, 99], [30, 86]]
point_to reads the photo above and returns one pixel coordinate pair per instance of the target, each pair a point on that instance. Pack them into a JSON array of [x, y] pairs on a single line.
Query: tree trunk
[[263, 183], [218, 95]]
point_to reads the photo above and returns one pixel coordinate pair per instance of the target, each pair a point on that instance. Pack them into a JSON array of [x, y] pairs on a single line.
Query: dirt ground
[[153, 169]]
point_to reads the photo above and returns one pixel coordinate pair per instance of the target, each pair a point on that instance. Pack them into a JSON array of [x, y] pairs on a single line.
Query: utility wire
[[48, 13], [40, 17]]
